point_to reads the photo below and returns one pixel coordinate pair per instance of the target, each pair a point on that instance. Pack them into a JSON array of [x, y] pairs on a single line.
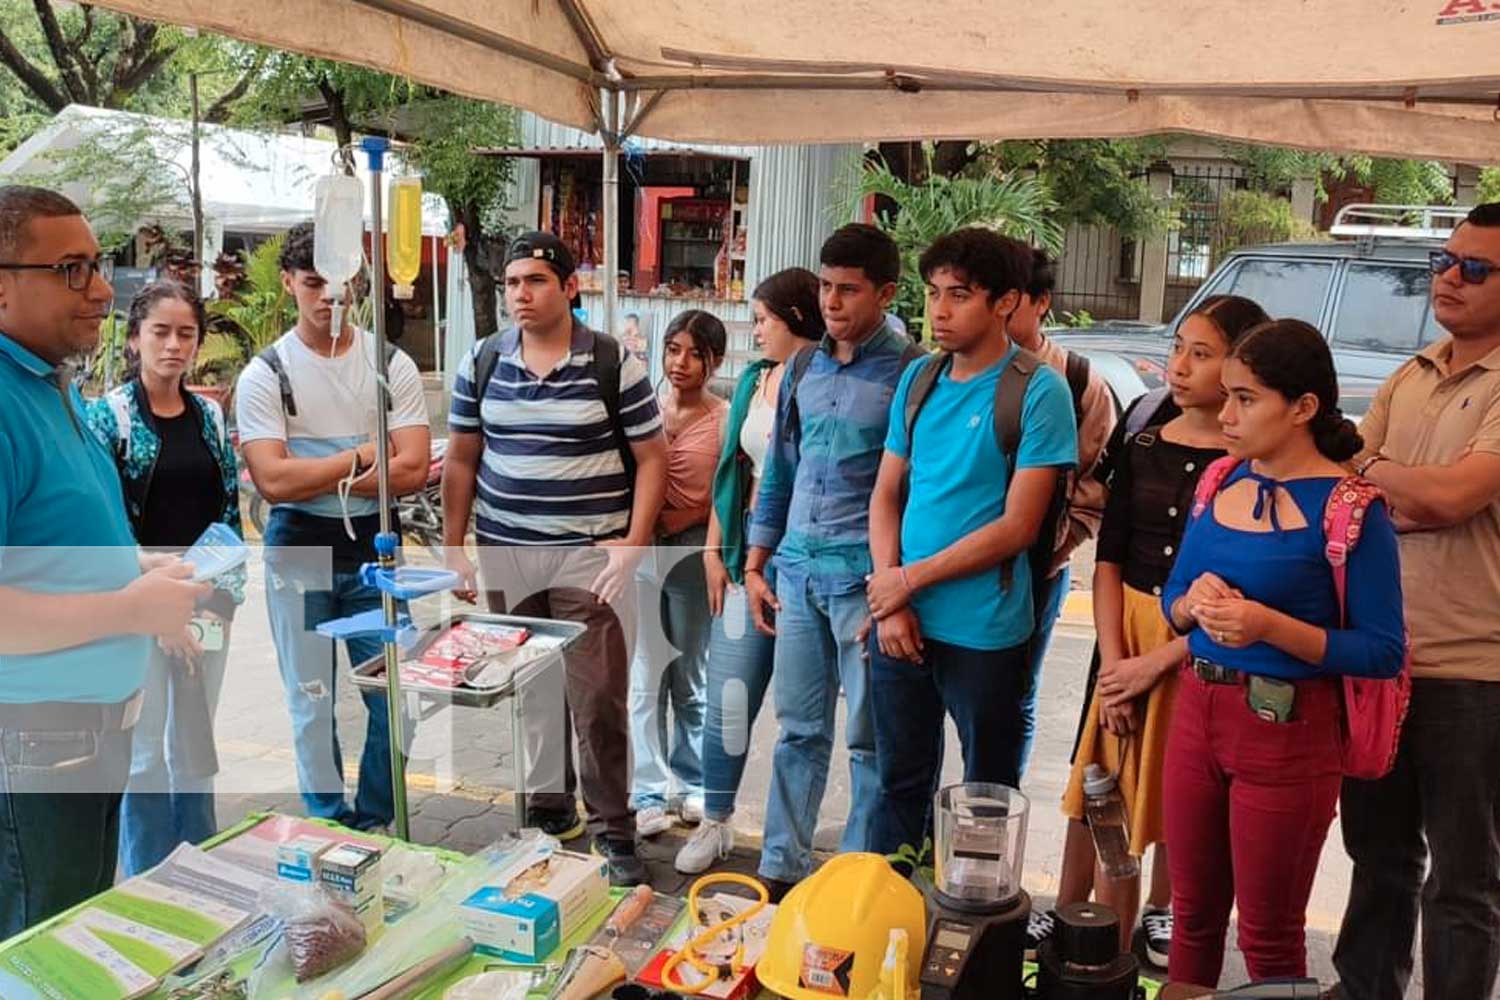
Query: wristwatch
[[1363, 467]]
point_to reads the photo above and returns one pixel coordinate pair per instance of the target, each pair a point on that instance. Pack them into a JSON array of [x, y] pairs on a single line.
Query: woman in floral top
[[178, 471]]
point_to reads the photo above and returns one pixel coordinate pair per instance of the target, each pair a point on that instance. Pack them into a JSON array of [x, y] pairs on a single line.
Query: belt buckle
[[1212, 673]]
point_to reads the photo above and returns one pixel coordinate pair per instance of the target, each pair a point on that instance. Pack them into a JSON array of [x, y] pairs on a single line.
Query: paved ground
[[460, 773]]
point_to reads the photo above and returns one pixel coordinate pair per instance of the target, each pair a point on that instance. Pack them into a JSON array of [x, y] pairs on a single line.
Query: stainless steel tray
[[370, 674]]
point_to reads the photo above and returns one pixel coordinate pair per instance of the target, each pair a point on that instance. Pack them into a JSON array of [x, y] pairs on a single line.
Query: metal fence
[[1097, 274], [1197, 190]]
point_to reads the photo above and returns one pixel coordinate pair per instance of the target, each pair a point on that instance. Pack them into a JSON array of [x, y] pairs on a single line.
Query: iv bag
[[403, 240], [338, 230]]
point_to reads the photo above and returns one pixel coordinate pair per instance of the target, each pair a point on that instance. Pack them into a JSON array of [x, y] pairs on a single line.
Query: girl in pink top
[[672, 643]]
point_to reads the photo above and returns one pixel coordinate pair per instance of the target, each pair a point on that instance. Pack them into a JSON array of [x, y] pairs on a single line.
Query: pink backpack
[[1373, 709]]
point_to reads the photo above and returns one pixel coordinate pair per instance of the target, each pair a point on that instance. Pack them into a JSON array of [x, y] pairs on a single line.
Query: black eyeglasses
[[78, 273], [1471, 269]]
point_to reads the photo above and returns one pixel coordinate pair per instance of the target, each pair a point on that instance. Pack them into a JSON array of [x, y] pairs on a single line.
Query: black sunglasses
[[77, 273], [1471, 269]]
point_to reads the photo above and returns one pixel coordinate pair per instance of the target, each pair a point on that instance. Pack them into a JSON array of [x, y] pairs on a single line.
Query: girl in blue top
[[1253, 759]]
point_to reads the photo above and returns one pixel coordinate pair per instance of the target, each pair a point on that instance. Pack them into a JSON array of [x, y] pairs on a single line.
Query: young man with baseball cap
[[555, 446]]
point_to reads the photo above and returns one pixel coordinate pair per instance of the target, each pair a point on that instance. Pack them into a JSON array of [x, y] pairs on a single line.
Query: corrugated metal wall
[[797, 193], [797, 196]]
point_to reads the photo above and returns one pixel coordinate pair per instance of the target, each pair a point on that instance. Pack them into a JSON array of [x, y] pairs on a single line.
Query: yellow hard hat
[[829, 935]]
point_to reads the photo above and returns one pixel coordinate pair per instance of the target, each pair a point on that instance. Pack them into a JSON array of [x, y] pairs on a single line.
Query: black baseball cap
[[544, 247]]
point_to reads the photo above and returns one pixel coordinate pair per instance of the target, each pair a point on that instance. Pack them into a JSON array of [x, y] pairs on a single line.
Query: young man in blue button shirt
[[952, 623], [813, 513], [75, 607]]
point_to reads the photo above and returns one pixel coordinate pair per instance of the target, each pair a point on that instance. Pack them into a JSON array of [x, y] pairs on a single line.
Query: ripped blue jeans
[[298, 598]]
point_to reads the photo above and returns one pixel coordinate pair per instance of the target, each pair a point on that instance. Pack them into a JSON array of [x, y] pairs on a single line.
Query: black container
[[1082, 960]]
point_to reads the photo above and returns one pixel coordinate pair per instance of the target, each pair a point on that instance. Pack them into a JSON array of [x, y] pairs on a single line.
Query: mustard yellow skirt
[[1139, 758]]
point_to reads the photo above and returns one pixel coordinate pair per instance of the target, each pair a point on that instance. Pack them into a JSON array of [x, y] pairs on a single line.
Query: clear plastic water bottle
[[1109, 824]]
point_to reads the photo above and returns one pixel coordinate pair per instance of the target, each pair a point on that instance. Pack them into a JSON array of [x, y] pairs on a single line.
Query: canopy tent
[[1412, 79], [1420, 78], [257, 182]]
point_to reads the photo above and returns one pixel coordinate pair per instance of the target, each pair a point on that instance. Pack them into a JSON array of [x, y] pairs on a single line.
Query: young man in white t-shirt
[[304, 429]]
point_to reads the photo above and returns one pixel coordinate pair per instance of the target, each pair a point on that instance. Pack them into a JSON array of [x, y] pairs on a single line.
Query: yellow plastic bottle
[[403, 236]]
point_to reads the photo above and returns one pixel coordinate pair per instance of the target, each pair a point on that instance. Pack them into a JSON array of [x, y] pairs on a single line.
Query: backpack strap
[[484, 365], [608, 356], [792, 430], [921, 387], [272, 360], [1343, 522], [1143, 408], [1077, 369], [1010, 400], [1210, 482]]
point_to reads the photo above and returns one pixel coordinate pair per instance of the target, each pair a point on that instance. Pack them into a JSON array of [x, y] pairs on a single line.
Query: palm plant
[[1017, 205], [259, 313]]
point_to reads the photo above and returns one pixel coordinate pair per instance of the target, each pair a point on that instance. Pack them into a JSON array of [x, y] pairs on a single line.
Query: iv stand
[[387, 542]]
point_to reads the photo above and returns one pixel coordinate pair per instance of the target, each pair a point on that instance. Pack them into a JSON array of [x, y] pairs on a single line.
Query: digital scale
[[972, 954], [977, 912]]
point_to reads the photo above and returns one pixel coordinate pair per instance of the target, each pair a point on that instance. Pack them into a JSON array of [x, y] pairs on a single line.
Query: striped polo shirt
[[551, 472]]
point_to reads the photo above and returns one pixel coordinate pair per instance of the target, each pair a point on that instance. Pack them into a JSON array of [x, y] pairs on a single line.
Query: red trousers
[[1248, 806]]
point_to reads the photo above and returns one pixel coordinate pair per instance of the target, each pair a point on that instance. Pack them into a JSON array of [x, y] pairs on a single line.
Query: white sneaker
[[691, 811], [711, 842], [651, 821]]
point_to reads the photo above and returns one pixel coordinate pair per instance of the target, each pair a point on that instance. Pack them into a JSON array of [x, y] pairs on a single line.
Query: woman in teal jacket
[[178, 471]]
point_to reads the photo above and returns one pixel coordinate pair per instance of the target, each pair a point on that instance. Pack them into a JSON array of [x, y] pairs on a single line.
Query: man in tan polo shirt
[[1432, 441]]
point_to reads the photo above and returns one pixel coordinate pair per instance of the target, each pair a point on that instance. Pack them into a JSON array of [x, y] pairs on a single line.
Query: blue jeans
[[817, 650], [1047, 612], [667, 672], [59, 821], [739, 671], [982, 689], [168, 801], [299, 596]]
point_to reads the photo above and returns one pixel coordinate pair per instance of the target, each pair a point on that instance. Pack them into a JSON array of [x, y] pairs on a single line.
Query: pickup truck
[[1369, 296]]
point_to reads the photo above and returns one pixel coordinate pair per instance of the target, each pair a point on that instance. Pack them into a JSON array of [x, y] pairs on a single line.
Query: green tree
[[1093, 181], [1489, 185], [1394, 182], [58, 54], [1245, 218], [440, 130], [1016, 205]]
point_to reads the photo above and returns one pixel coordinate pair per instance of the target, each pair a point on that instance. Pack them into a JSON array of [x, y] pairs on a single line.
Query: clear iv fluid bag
[[403, 238], [338, 229]]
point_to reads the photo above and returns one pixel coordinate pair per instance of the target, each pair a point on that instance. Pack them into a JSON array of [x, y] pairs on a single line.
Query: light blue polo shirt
[[63, 529], [957, 484]]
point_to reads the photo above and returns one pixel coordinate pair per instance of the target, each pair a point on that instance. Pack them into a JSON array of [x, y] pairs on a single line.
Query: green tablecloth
[[434, 991]]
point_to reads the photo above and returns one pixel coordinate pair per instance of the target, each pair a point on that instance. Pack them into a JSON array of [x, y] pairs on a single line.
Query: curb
[[1078, 609]]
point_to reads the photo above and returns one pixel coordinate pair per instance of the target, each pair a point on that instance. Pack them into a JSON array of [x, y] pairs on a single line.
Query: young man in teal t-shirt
[[951, 591]]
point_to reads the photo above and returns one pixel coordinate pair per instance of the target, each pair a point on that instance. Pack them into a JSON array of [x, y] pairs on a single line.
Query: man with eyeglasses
[[1426, 838], [75, 605]]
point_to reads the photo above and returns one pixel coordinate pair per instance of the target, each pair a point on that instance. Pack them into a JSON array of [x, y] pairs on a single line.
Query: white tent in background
[[252, 181]]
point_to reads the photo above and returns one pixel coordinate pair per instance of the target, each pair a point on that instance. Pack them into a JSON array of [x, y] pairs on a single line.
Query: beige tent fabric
[[1418, 78]]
